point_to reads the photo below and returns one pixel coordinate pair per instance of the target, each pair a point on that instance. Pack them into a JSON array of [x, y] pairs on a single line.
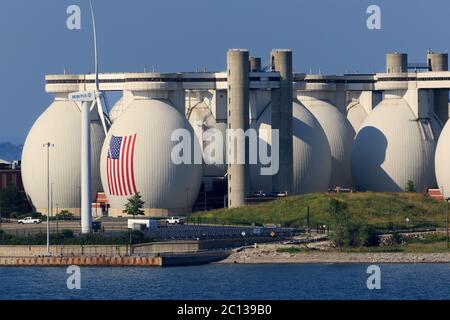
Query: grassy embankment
[[382, 210]]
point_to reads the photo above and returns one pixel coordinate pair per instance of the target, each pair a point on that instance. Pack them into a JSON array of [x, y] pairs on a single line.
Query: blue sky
[[182, 35]]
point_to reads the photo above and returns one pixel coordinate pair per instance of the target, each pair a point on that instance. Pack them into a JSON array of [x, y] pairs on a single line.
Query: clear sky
[[182, 35]]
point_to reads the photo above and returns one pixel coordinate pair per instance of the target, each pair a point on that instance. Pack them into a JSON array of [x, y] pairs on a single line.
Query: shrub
[[397, 238], [410, 187], [369, 237], [353, 235], [67, 234], [65, 215]]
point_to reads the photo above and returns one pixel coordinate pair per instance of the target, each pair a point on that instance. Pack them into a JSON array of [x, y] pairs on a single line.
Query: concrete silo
[[142, 139], [60, 125], [396, 62], [311, 153]]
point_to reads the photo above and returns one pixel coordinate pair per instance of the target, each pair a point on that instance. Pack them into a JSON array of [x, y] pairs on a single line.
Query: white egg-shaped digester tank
[[120, 106], [209, 132], [340, 136], [166, 187], [116, 110], [393, 147], [311, 153], [60, 125], [442, 161], [356, 114]]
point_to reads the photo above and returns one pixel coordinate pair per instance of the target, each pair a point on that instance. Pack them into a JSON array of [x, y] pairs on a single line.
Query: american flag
[[120, 166]]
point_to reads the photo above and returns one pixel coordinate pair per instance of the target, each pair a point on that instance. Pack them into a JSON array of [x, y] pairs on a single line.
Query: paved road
[[113, 226]]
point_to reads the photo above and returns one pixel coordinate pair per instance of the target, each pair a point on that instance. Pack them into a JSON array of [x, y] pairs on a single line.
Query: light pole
[[446, 222], [57, 213], [51, 203], [48, 145]]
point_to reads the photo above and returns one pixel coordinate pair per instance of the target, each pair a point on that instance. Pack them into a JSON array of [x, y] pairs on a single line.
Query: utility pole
[[48, 145]]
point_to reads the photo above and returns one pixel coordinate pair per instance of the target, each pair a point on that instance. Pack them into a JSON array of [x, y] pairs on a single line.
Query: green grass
[[379, 209]]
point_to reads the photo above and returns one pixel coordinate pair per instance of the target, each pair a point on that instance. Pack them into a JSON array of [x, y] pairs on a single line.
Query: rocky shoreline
[[270, 256]]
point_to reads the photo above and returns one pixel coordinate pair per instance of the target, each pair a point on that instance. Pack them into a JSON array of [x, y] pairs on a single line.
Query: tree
[[340, 219], [9, 200], [410, 187], [134, 206]]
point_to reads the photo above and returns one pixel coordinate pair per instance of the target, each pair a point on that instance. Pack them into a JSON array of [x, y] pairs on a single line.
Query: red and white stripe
[[120, 172]]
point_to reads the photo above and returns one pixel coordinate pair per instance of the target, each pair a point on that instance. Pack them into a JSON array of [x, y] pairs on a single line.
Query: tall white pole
[[48, 200], [48, 145], [86, 210]]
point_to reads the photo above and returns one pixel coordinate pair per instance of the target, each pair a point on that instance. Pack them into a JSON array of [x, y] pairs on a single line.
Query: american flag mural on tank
[[120, 166]]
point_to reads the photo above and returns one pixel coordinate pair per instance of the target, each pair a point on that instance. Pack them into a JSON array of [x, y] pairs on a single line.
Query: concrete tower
[[396, 62], [238, 118], [255, 64], [439, 62], [281, 60]]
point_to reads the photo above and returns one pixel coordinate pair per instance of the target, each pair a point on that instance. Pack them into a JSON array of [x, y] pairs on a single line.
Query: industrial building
[[367, 132]]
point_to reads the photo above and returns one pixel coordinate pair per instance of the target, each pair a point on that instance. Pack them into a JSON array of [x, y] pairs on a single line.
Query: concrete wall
[[30, 251], [150, 249], [99, 250], [170, 246]]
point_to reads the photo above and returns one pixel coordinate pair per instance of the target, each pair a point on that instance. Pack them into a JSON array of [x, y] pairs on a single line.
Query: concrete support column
[[439, 62], [281, 60], [238, 118]]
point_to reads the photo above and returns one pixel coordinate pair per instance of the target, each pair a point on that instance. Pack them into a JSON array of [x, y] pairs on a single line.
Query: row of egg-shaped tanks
[[377, 150], [391, 147], [166, 188], [321, 150], [322, 140]]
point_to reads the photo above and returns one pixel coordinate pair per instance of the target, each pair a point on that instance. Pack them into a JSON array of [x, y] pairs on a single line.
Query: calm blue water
[[317, 281]]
